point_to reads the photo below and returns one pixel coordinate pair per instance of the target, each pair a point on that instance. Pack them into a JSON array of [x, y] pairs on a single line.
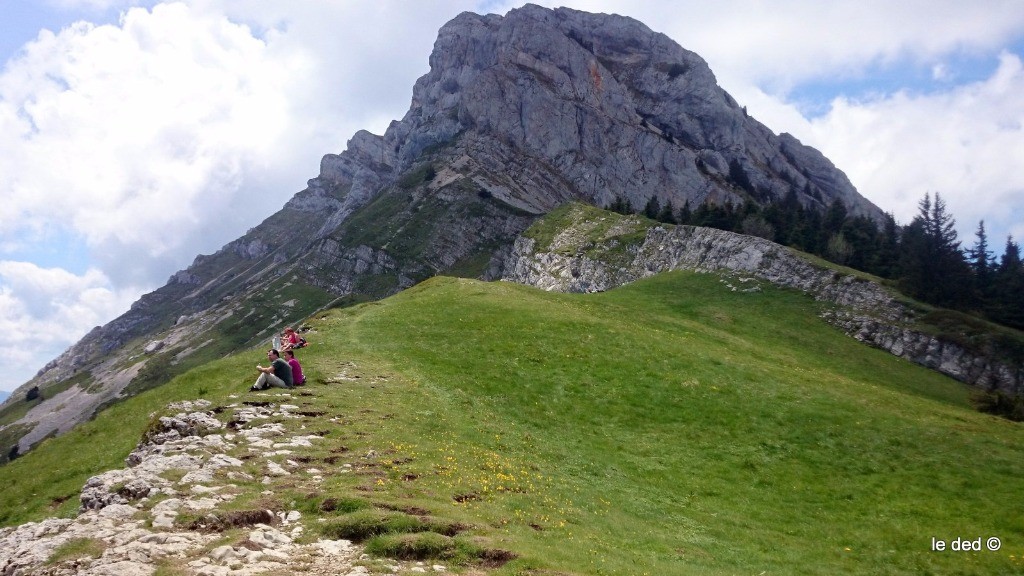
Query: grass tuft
[[433, 546], [364, 524], [77, 548]]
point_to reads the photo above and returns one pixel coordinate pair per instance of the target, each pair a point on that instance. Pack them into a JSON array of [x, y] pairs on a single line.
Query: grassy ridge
[[672, 426], [727, 432]]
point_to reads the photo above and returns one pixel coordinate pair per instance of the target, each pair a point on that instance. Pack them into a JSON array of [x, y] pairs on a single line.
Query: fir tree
[[861, 234], [739, 177], [1007, 303], [834, 219], [667, 214], [685, 215], [932, 267], [981, 262], [886, 258], [621, 205], [653, 208]]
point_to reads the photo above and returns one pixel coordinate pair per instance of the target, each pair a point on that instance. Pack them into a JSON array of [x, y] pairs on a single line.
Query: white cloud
[[966, 143], [132, 135], [44, 310], [174, 131], [776, 45], [941, 72]]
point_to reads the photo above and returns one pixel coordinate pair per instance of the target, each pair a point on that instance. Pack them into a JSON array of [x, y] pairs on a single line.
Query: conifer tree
[[667, 214], [834, 219], [981, 263], [739, 177], [932, 267], [685, 215], [887, 255], [808, 233], [1007, 305], [653, 208], [861, 234], [621, 205]]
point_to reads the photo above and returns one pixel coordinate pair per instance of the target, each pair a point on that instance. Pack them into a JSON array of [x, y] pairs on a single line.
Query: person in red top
[[298, 378], [291, 339]]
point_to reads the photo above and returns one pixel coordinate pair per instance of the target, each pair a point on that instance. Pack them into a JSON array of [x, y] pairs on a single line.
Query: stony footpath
[[168, 508]]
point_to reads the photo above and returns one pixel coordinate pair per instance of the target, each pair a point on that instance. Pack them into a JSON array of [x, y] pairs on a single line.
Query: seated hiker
[[278, 374], [290, 339], [298, 378]]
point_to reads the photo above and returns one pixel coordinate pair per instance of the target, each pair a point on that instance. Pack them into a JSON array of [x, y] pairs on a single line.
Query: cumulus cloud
[[133, 135], [175, 130], [966, 143], [43, 310]]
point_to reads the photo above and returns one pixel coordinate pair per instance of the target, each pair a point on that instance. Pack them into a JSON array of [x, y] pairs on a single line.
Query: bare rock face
[[613, 107]]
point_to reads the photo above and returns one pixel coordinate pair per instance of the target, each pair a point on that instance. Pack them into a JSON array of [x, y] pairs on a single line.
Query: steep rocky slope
[[518, 114]]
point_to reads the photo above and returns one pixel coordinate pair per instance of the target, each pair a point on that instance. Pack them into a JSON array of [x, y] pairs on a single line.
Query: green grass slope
[[671, 426]]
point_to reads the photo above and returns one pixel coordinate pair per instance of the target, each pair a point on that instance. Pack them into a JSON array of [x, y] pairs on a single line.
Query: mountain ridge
[[518, 114]]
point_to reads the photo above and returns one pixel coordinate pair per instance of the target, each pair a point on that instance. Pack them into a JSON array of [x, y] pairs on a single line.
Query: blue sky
[[814, 97], [136, 135]]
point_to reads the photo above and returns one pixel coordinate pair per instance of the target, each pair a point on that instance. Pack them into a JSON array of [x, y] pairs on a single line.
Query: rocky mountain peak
[[613, 107], [518, 115]]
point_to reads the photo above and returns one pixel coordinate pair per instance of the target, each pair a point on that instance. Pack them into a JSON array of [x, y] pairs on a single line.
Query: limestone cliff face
[[614, 108], [518, 115], [588, 256]]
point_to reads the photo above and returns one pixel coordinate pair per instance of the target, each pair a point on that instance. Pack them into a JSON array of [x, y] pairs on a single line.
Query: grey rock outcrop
[[863, 309], [613, 108], [132, 515]]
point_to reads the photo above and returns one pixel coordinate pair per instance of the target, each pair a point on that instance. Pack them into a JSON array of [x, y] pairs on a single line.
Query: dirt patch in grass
[[58, 501], [496, 558]]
